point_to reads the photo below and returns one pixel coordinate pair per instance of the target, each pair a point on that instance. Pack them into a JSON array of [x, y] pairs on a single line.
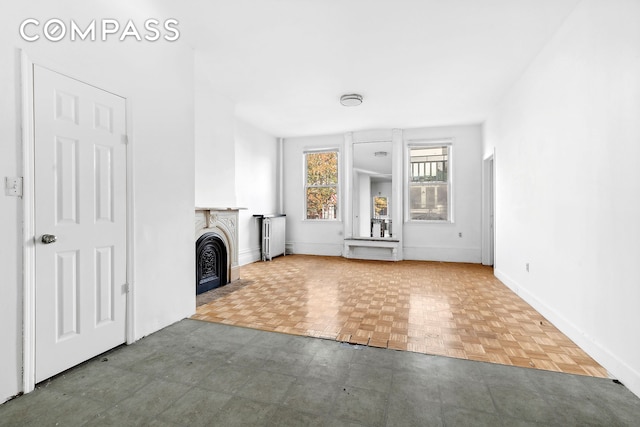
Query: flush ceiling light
[[351, 100]]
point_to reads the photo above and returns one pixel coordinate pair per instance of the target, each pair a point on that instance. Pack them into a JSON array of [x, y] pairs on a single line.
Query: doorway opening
[[488, 210]]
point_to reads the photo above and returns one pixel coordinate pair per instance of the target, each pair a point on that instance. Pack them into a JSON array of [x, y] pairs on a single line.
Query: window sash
[[325, 206], [429, 183]]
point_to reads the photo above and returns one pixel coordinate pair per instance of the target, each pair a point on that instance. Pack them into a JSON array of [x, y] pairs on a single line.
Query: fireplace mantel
[[224, 222]]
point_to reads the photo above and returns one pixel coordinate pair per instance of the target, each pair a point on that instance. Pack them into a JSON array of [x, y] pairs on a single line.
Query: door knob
[[48, 238]]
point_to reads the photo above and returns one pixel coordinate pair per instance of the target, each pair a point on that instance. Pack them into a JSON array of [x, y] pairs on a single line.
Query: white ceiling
[[285, 63]]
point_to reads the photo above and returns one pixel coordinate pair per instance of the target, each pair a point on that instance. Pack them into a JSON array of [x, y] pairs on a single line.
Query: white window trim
[[427, 143], [338, 217]]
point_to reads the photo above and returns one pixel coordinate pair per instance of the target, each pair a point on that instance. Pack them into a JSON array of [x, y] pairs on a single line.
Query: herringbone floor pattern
[[449, 309]]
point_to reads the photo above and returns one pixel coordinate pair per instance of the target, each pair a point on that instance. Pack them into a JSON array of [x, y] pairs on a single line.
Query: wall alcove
[[373, 195]]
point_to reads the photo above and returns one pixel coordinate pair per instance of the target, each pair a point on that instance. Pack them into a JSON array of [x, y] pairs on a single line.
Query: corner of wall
[[614, 365]]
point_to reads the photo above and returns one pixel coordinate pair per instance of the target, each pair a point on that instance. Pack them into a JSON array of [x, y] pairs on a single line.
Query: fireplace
[[211, 262], [216, 247]]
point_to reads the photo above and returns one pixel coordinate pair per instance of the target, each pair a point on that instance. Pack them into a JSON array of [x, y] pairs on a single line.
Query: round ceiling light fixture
[[351, 100]]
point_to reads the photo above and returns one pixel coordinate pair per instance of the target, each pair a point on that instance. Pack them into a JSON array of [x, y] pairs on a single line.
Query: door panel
[[80, 197]]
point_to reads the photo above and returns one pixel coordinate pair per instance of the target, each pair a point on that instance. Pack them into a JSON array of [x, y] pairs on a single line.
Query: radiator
[[273, 234]]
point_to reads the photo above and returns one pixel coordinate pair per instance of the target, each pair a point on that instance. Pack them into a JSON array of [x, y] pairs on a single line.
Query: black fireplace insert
[[211, 262]]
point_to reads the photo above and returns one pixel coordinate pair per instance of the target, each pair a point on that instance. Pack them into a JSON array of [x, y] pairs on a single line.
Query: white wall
[[422, 241], [567, 183], [236, 163], [441, 241], [256, 169], [382, 189], [362, 204], [157, 80], [215, 151], [314, 237], [10, 227]]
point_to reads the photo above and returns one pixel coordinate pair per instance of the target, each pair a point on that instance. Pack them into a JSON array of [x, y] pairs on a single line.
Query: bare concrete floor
[[199, 373]]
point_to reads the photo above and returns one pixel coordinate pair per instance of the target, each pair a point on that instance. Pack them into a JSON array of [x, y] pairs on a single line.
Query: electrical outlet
[[526, 266], [460, 234]]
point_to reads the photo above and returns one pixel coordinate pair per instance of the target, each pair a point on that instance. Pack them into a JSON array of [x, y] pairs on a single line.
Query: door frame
[[27, 62], [489, 210]]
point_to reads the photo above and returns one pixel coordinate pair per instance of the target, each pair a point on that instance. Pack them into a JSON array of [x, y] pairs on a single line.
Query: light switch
[[13, 186]]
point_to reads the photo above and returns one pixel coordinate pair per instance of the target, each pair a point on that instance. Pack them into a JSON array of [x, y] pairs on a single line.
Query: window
[[380, 206], [321, 185], [429, 183]]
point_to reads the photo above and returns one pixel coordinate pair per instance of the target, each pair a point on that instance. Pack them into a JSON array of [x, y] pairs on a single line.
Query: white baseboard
[[616, 367], [415, 253], [471, 255], [324, 249], [249, 256]]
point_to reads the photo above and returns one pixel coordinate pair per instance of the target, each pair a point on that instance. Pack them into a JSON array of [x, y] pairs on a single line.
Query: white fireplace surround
[[224, 223]]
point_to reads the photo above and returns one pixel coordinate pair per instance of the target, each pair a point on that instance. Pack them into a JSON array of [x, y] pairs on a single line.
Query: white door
[[80, 210]]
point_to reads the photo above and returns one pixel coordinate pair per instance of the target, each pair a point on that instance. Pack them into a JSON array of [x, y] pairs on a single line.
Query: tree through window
[[321, 185]]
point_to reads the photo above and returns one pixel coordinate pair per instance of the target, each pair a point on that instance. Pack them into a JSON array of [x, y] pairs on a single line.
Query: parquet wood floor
[[449, 309]]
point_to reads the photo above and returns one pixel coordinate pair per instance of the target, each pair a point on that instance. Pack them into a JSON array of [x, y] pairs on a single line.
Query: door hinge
[[125, 139], [125, 288]]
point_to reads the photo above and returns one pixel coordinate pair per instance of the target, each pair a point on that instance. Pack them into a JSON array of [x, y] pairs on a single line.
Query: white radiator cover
[[273, 236]]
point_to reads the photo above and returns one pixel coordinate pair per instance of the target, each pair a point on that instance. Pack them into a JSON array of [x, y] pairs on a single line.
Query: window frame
[[305, 186], [417, 144]]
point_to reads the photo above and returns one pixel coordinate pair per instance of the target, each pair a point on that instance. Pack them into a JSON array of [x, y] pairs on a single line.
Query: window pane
[[322, 168], [429, 183], [321, 185], [380, 207], [322, 202], [429, 202], [429, 164]]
